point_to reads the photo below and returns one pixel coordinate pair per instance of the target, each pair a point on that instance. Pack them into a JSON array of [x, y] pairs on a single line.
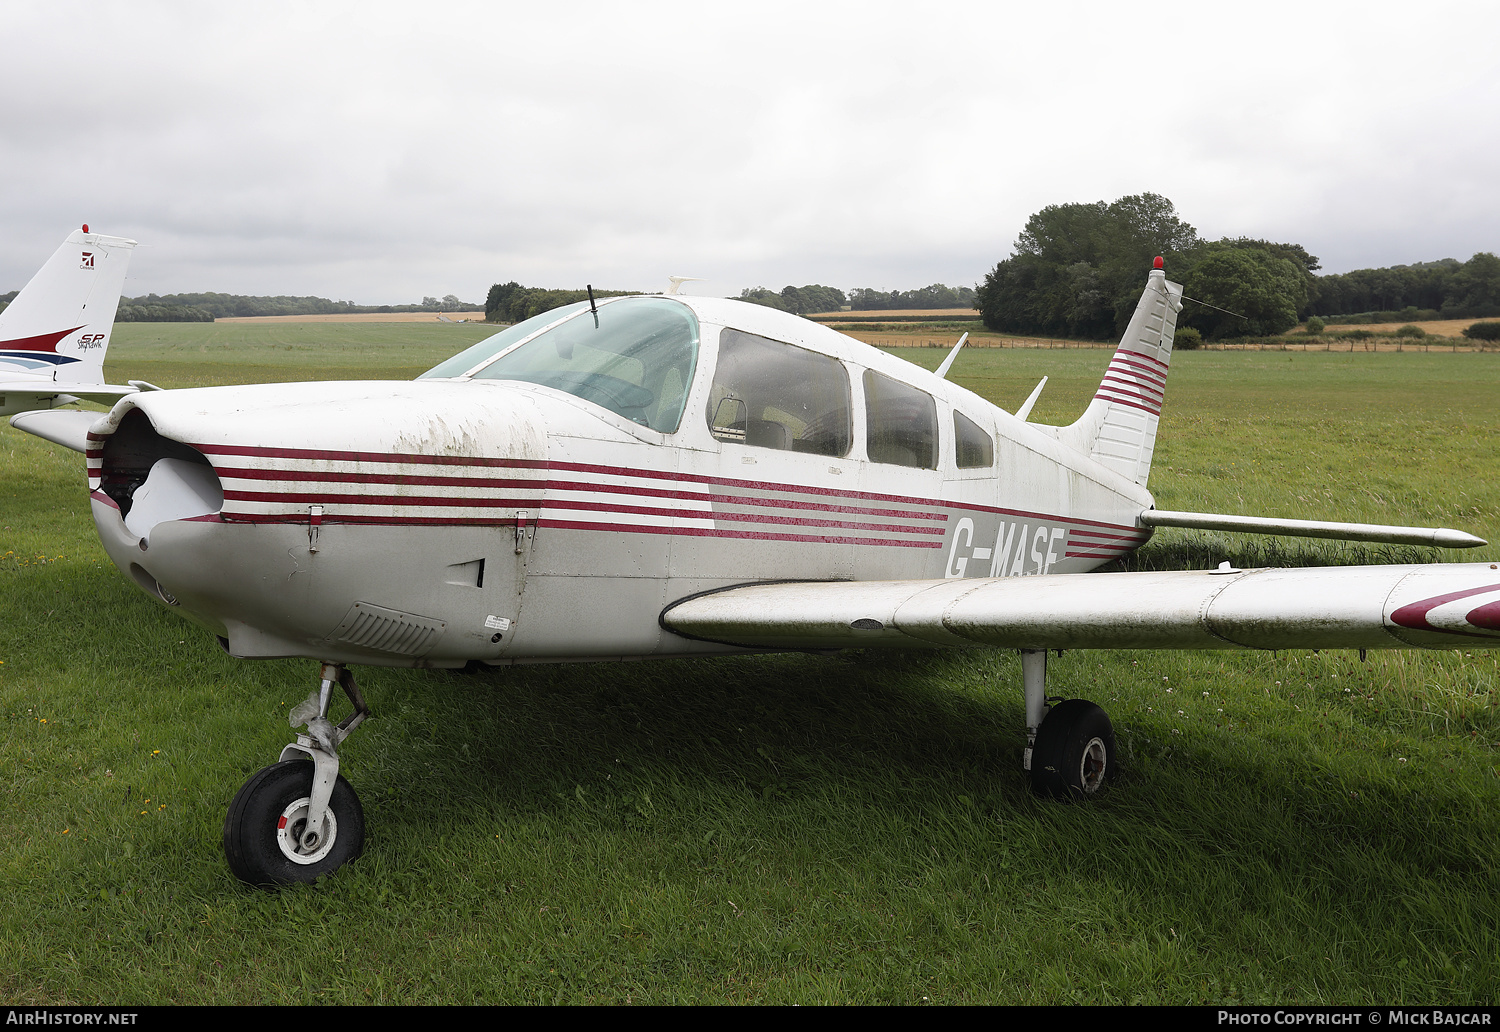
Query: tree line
[[814, 297], [233, 306], [1076, 270], [1447, 289], [210, 306], [511, 302]]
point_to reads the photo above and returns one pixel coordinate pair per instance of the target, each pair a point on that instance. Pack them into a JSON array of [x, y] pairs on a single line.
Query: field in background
[[873, 315], [272, 350], [1434, 327], [1289, 828], [359, 317]]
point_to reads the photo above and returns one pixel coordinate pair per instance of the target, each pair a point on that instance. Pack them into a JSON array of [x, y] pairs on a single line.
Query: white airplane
[[657, 476], [53, 336]]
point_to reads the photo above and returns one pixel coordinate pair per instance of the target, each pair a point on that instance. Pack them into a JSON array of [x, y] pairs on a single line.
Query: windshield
[[488, 348], [635, 357]]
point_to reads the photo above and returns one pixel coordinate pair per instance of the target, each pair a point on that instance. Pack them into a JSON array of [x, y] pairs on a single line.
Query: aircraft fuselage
[[434, 522]]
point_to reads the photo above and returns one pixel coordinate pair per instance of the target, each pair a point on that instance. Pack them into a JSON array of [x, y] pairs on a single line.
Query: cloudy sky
[[378, 152]]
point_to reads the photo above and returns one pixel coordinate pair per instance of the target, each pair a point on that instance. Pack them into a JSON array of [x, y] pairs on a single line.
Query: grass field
[[1289, 827]]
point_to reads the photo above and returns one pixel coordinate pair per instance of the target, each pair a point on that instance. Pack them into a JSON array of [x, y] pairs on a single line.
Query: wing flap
[[1365, 607]]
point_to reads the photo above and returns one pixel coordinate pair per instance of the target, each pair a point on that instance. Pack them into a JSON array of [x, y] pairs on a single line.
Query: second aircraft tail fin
[[58, 326]]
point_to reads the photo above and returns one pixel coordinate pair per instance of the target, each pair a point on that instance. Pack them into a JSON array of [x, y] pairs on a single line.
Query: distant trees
[[228, 306], [1447, 288], [817, 298], [1077, 269], [512, 303], [1474, 285], [937, 295], [814, 297], [1264, 292], [128, 311]]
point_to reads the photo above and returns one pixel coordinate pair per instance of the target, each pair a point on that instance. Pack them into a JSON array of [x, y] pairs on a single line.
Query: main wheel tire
[[266, 820], [1074, 752]]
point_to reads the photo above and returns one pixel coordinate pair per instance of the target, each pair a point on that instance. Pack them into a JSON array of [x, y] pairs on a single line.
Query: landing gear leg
[[293, 822], [1070, 747]]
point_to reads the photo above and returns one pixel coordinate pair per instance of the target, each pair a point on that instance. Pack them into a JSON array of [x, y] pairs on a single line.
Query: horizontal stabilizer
[[22, 395], [67, 427], [1443, 605], [1438, 536]]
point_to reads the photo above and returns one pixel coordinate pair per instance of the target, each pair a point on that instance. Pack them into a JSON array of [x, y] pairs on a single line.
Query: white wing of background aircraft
[[659, 476], [55, 333]]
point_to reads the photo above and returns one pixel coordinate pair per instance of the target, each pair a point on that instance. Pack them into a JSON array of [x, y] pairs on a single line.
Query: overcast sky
[[378, 152]]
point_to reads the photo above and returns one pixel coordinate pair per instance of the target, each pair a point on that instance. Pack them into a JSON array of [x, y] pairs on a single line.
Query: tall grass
[[1292, 827]]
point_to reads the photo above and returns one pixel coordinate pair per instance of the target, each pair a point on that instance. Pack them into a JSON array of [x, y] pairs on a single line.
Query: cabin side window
[[972, 447], [773, 395], [901, 423]]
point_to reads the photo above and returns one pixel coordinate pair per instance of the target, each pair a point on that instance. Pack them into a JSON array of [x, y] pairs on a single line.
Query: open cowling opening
[[154, 479]]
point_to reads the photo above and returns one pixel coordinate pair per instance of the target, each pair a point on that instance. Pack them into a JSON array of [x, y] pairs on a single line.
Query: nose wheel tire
[[266, 838], [1074, 753]]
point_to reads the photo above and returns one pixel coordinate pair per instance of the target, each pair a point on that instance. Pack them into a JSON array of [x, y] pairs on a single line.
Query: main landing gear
[[1070, 747], [298, 819]]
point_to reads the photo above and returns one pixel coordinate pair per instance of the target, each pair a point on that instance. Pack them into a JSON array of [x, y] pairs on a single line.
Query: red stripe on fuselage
[[761, 490]]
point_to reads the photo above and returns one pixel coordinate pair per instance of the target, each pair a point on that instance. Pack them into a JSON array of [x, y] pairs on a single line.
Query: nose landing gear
[[295, 821]]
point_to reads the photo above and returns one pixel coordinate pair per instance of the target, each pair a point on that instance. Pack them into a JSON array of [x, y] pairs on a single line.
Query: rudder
[[1118, 429]]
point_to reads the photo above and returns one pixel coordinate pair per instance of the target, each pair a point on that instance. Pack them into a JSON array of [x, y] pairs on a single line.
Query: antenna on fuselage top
[[678, 281], [593, 307], [942, 370], [1025, 409]]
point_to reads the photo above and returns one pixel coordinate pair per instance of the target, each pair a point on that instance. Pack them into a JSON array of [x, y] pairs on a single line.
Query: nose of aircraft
[[330, 520]]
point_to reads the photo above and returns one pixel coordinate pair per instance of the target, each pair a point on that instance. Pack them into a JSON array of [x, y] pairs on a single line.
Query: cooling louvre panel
[[387, 630]]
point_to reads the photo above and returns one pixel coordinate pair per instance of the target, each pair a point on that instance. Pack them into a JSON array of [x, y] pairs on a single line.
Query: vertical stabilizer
[[58, 326], [1118, 429]]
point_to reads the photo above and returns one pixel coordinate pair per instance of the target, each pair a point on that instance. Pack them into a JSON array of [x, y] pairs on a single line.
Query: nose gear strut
[[291, 824]]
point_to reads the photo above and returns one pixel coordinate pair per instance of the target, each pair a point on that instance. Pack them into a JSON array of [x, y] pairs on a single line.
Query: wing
[[1449, 605]]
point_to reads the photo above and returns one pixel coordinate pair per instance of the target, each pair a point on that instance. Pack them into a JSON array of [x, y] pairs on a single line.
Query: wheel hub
[[297, 843], [1093, 766]]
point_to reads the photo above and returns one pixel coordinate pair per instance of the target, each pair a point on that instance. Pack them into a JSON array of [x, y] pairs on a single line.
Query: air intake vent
[[388, 630]]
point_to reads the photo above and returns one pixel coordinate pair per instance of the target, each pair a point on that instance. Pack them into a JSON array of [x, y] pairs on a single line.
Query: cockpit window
[[635, 357], [773, 395]]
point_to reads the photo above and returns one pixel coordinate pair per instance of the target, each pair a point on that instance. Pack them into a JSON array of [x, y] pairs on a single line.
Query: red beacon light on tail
[[1157, 263]]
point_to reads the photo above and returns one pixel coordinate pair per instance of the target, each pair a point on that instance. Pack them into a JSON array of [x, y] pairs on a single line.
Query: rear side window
[[902, 423], [773, 395], [973, 448]]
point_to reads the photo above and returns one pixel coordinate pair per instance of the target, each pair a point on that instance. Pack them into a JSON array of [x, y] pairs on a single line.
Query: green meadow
[[1288, 828]]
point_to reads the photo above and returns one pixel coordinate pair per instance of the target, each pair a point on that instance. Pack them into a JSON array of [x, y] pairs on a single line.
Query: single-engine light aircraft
[[53, 336], [657, 476]]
